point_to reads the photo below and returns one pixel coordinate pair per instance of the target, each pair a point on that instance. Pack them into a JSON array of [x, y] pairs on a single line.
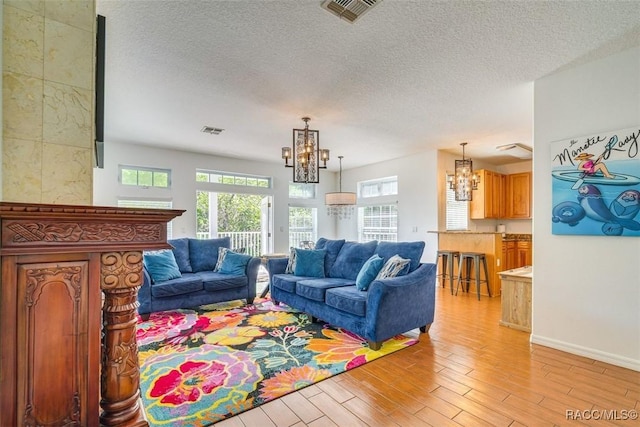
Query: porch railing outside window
[[295, 237], [250, 240]]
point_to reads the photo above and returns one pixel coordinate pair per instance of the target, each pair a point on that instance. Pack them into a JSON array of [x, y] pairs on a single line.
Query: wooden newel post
[[70, 356], [120, 278]]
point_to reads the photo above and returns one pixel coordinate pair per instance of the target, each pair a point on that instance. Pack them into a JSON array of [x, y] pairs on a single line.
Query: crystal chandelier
[[340, 204], [305, 155], [463, 181]]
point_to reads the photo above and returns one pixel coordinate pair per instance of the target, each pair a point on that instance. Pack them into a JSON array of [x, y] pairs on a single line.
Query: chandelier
[[463, 181], [340, 204], [305, 154]]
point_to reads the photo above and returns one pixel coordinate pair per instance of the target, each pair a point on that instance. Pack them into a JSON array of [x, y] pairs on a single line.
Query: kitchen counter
[[516, 298]]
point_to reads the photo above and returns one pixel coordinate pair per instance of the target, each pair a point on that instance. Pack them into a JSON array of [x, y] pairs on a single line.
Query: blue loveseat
[[384, 308], [187, 276]]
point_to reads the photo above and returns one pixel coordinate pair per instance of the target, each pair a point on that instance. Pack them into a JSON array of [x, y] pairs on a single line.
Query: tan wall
[[48, 101]]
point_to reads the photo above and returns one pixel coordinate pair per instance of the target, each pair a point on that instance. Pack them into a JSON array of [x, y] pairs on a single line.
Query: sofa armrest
[[252, 274], [144, 293], [276, 266], [402, 303]]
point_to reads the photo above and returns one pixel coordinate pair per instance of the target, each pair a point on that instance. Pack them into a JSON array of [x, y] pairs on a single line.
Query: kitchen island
[[490, 243]]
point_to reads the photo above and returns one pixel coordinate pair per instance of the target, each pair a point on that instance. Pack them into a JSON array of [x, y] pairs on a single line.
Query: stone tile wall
[[48, 101]]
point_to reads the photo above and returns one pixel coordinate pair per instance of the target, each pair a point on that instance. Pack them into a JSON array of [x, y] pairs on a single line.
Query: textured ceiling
[[406, 77]]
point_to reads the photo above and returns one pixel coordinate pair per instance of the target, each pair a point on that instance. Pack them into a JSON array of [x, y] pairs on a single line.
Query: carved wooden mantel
[[59, 336]]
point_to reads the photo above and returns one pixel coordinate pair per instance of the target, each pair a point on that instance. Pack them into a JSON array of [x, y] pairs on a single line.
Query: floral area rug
[[206, 364]]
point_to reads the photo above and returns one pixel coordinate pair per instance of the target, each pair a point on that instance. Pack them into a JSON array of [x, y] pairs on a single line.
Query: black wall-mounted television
[[99, 108]]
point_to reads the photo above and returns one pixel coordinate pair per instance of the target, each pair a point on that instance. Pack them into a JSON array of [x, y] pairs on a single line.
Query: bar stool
[[447, 262], [467, 259]]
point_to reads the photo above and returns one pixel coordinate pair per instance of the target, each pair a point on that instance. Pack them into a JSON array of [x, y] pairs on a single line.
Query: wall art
[[596, 184]]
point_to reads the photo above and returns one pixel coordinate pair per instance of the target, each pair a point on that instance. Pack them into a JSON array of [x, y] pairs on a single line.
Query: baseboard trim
[[591, 353]]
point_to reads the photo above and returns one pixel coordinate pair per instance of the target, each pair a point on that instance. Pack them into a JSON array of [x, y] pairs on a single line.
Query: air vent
[[349, 10], [211, 130], [518, 150]]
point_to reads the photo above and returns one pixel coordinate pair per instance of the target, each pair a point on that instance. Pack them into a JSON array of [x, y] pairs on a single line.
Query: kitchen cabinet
[[518, 195], [523, 254], [516, 298], [488, 200]]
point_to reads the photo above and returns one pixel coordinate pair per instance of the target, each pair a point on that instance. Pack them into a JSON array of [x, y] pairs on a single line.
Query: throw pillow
[[368, 272], [309, 263], [291, 264], [222, 253], [234, 264], [395, 266], [161, 265]]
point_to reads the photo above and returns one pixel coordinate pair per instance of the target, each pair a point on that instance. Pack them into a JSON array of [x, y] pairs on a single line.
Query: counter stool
[[447, 262], [467, 259]]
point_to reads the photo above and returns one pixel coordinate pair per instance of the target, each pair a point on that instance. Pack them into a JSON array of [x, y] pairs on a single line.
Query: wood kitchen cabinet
[[488, 200], [518, 195], [523, 254], [509, 254]]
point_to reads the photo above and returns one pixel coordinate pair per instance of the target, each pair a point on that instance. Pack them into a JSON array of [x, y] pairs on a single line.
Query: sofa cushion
[[189, 282], [410, 250], [309, 262], [203, 253], [333, 249], [351, 258], [181, 252], [161, 265], [213, 281], [314, 289], [368, 272], [347, 299], [234, 264], [395, 266], [286, 282]]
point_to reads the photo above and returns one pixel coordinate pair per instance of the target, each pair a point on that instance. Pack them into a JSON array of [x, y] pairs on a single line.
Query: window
[[301, 190], [150, 204], [378, 222], [378, 187], [457, 213], [145, 177], [231, 178], [302, 225]]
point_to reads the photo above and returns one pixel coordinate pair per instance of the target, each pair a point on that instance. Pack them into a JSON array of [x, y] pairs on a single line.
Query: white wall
[[586, 289], [417, 198], [183, 165]]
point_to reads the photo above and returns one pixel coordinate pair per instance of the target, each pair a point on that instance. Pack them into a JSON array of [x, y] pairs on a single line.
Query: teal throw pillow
[[161, 265], [395, 266], [368, 272], [234, 264], [309, 263]]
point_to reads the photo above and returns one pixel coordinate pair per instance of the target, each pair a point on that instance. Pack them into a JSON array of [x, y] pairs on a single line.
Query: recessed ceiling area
[[405, 77]]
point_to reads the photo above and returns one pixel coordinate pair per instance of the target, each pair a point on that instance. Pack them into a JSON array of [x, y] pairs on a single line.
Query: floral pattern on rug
[[206, 364]]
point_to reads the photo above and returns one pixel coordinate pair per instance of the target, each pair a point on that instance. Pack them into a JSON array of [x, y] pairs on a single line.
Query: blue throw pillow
[[309, 263], [368, 272], [161, 265], [234, 264]]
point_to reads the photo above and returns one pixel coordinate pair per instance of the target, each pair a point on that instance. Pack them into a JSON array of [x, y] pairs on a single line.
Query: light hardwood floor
[[467, 371]]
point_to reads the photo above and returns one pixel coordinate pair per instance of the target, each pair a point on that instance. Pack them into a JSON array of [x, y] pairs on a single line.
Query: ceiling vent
[[518, 150], [211, 130], [349, 10]]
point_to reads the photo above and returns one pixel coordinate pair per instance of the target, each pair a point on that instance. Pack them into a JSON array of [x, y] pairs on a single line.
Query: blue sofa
[[388, 306], [196, 283]]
